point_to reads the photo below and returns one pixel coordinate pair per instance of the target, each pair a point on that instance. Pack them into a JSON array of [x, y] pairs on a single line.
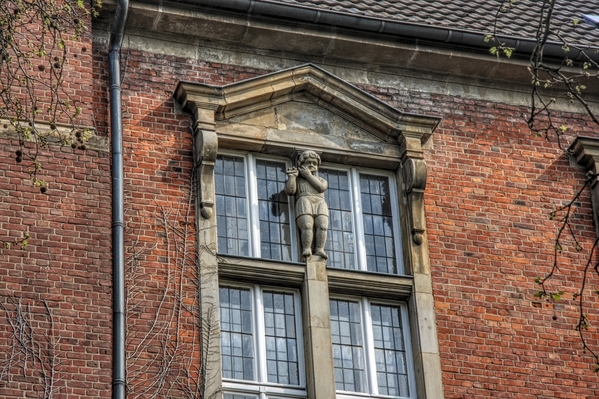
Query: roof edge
[[460, 37]]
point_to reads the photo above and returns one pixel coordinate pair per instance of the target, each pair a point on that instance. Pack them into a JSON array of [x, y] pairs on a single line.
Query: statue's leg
[[320, 237], [306, 226]]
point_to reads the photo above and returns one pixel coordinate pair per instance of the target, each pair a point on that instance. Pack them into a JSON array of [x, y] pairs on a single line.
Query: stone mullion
[[318, 346]]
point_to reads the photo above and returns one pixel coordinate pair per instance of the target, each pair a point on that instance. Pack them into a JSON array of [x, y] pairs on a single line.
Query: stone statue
[[312, 212]]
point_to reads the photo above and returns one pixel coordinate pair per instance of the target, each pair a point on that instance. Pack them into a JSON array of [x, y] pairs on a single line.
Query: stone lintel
[[327, 154], [261, 271], [376, 285]]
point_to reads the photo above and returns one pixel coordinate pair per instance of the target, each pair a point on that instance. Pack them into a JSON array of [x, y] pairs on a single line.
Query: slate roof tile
[[521, 20]]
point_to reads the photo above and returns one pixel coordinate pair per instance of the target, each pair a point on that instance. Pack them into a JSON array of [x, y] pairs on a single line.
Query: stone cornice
[[586, 152], [329, 92], [58, 136]]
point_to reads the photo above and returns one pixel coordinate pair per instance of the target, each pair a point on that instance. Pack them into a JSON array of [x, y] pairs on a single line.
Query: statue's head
[[309, 154]]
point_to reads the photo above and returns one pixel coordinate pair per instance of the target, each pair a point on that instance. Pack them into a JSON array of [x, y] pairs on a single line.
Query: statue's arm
[[291, 183], [318, 183]]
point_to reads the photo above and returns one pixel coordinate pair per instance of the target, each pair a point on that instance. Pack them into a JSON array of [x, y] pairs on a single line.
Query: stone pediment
[[305, 107]]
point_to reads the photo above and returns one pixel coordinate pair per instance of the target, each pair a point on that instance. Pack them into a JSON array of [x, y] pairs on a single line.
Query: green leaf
[[556, 296], [508, 51], [493, 50]]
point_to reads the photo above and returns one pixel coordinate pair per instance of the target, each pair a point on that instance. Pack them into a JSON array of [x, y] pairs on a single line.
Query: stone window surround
[[405, 133]]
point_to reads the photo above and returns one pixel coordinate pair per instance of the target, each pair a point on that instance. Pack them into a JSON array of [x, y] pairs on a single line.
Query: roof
[[520, 21]]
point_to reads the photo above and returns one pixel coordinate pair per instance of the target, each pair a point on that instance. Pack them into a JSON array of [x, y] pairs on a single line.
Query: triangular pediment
[[292, 90]]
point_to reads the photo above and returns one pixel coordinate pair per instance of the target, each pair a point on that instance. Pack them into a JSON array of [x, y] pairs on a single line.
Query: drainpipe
[[118, 228]]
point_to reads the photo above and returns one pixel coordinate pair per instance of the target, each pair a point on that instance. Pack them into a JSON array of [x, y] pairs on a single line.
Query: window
[[362, 218], [261, 342], [360, 205], [253, 213], [370, 348]]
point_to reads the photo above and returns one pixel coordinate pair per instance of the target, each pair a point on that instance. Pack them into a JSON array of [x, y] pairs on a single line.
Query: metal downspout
[[118, 236]]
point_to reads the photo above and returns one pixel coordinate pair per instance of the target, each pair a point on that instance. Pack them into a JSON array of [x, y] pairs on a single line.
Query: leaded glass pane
[[340, 244], [348, 352], [378, 224], [275, 232], [390, 356], [280, 334], [236, 333], [231, 206]]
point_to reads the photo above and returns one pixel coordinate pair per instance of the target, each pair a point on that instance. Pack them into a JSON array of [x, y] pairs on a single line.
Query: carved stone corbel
[[206, 149], [415, 182], [586, 152]]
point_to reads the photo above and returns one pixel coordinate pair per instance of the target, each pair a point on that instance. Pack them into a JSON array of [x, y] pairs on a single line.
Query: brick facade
[[491, 187]]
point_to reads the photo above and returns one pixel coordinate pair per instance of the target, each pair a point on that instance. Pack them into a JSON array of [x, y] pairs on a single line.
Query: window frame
[[252, 207], [358, 220], [364, 304], [353, 173], [260, 386]]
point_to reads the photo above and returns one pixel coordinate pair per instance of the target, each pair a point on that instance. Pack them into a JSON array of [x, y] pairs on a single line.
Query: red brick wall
[[491, 187], [66, 264]]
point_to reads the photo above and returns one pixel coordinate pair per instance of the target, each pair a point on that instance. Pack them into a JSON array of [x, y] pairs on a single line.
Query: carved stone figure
[[312, 212]]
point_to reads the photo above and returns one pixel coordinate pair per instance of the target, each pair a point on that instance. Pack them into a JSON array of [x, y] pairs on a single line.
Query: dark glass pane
[[236, 333], [348, 353], [231, 206], [340, 236], [281, 341], [378, 224], [390, 355], [273, 210]]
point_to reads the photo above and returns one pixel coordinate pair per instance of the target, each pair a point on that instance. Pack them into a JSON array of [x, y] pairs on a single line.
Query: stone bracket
[[415, 183], [586, 152], [206, 149]]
